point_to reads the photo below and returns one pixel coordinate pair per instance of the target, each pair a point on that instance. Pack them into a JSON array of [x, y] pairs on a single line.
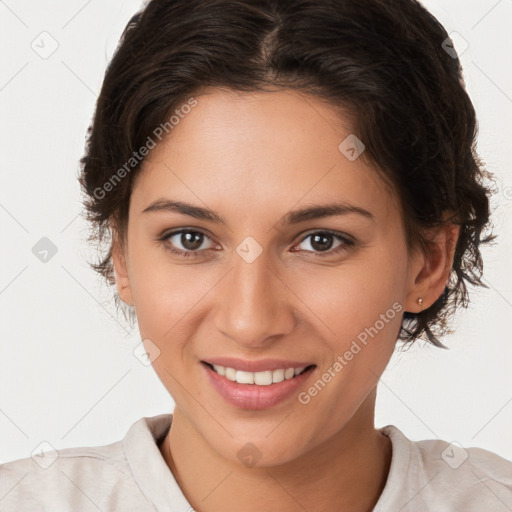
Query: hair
[[383, 62]]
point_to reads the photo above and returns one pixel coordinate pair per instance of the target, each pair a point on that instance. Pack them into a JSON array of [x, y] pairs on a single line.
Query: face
[[254, 244]]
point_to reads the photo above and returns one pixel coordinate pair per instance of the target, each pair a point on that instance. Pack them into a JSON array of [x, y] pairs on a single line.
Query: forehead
[[271, 150]]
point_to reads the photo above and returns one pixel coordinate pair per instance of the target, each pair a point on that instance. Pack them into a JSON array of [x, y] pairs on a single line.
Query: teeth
[[230, 373], [221, 370], [288, 374], [244, 377], [264, 378], [277, 375]]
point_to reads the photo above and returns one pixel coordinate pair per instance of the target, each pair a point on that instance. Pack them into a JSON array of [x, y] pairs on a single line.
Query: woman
[[289, 188]]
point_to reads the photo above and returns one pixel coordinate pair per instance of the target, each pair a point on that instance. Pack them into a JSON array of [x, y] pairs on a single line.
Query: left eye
[[323, 242]]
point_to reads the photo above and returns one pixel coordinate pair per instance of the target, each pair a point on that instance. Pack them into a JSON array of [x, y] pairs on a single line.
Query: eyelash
[[346, 242]]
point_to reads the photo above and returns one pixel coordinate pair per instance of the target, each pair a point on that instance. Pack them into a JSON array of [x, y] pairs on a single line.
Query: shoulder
[[72, 476], [82, 478], [446, 476]]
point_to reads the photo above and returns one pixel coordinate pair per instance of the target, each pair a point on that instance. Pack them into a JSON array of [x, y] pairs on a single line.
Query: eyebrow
[[293, 217], [327, 210], [197, 212]]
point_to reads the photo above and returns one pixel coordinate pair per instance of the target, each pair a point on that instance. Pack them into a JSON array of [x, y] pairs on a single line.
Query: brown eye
[[191, 241], [321, 242], [325, 242], [187, 242]]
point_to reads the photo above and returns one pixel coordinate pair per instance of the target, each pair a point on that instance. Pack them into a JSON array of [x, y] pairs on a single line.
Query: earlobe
[[121, 273], [430, 270]]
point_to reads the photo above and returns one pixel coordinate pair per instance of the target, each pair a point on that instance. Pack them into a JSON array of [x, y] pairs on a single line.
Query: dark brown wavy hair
[[383, 62]]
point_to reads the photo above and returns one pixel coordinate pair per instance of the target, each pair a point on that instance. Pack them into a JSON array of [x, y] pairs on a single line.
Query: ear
[[430, 269], [121, 272]]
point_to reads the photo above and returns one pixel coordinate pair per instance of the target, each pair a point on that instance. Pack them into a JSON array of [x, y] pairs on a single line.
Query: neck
[[347, 472]]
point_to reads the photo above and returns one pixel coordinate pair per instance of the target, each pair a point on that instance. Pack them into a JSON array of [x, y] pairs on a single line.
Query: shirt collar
[[158, 484], [400, 472], [149, 468]]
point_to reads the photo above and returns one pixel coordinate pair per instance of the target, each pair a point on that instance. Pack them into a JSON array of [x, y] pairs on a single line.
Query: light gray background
[[67, 372]]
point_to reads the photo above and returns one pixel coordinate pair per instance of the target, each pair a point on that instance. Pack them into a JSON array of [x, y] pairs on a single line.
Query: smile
[[264, 378], [270, 382]]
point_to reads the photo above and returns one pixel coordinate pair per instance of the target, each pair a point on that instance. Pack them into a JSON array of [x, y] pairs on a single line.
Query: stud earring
[[419, 301]]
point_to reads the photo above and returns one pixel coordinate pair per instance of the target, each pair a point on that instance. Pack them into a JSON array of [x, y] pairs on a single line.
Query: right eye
[[187, 242]]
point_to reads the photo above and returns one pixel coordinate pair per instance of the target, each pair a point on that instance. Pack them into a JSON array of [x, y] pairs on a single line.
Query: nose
[[253, 305]]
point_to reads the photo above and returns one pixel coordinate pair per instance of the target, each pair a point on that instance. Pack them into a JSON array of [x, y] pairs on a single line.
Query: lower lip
[[252, 396]]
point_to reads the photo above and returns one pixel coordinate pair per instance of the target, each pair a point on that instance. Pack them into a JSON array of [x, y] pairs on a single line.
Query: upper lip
[[256, 366]]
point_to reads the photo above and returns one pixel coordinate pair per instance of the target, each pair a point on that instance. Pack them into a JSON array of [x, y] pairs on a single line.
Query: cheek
[[353, 297], [156, 289], [361, 310], [360, 305], [164, 299], [168, 296]]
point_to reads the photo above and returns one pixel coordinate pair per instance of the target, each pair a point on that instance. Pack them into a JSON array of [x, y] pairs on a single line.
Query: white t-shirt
[[131, 475]]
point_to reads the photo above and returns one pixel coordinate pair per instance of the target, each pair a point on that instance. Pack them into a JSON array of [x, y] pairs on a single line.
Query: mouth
[[272, 383], [261, 378]]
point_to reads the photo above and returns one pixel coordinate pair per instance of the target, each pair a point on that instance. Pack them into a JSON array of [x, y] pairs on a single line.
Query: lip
[[257, 366], [253, 396]]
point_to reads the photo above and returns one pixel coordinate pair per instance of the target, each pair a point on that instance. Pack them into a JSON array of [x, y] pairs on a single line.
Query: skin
[[252, 158]]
